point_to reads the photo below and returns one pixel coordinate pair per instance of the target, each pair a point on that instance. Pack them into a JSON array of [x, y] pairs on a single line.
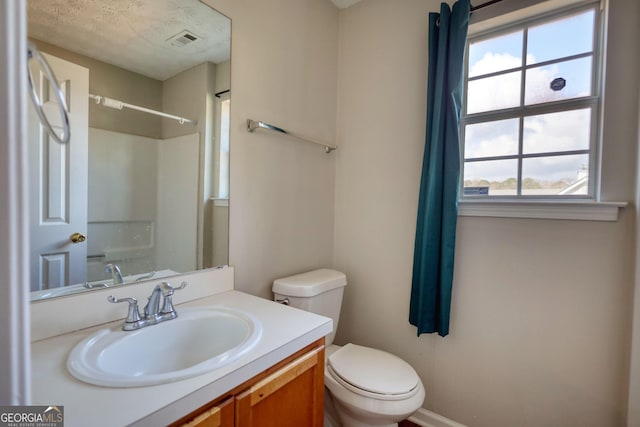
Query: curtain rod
[[119, 105], [480, 6]]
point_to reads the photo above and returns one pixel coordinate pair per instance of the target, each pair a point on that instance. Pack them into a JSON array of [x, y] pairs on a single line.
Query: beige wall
[[283, 71], [185, 95], [541, 308], [223, 76], [633, 418]]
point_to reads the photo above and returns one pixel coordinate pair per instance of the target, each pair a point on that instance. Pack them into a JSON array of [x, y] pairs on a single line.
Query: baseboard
[[425, 418]]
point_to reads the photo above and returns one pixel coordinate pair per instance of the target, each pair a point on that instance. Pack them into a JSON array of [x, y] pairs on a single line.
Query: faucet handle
[[133, 315], [167, 293], [167, 289]]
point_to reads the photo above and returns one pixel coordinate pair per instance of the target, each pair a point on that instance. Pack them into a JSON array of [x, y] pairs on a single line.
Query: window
[[223, 148], [531, 108]]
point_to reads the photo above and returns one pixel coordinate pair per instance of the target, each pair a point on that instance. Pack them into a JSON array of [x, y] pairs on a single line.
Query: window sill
[[538, 209], [219, 202]]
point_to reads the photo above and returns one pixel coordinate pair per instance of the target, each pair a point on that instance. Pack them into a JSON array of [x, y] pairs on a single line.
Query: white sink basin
[[198, 341]]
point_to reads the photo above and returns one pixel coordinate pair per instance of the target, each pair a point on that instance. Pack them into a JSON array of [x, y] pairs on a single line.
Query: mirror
[[135, 195]]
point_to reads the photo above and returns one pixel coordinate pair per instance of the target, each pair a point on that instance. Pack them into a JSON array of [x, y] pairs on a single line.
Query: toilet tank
[[318, 291]]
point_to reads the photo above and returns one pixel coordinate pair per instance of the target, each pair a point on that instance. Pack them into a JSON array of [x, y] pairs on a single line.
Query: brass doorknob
[[77, 238]]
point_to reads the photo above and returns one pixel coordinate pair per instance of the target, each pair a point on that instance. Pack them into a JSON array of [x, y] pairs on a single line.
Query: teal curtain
[[439, 187]]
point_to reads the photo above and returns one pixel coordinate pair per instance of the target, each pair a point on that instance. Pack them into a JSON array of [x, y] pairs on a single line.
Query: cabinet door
[[293, 396], [221, 415]]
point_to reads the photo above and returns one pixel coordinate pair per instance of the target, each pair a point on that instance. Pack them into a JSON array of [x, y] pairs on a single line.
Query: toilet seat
[[373, 373]]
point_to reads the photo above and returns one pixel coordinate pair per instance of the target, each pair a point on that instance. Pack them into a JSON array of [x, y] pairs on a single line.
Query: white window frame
[[223, 103], [585, 207]]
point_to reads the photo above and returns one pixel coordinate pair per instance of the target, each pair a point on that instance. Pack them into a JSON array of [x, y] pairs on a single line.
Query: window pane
[[223, 178], [494, 93], [495, 54], [563, 131], [558, 175], [560, 38], [499, 175], [498, 138], [562, 80]]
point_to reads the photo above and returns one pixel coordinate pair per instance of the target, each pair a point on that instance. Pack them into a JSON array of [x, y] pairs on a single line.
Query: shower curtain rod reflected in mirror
[[119, 105]]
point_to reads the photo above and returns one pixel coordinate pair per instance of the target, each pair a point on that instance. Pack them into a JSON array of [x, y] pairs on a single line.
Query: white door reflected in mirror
[[58, 180]]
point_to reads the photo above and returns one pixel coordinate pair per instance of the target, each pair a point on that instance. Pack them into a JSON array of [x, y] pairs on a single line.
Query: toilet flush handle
[[284, 301]]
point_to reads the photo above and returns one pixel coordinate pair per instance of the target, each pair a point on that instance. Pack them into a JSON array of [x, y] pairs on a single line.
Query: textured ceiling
[[133, 34]]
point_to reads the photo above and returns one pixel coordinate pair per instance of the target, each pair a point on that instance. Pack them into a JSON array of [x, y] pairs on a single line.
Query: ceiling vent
[[183, 38]]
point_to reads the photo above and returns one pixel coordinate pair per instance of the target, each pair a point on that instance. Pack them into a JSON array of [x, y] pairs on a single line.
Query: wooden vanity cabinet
[[289, 394], [292, 396], [219, 415]]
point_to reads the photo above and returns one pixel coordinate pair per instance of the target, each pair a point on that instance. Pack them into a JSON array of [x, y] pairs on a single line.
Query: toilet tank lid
[[309, 284]]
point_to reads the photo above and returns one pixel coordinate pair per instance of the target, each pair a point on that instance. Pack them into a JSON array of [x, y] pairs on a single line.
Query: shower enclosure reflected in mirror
[[138, 193]]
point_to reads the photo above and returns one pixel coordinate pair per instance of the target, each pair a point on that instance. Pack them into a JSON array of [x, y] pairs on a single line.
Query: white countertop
[[285, 331]]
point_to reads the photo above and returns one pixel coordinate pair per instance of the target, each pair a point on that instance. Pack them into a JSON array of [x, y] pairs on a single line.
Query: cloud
[[492, 62], [492, 171], [554, 132]]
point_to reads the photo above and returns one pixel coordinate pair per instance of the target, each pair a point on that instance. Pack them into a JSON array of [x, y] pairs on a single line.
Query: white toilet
[[369, 387]]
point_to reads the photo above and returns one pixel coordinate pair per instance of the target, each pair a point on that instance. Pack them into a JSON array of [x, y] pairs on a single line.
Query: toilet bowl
[[371, 387], [366, 386]]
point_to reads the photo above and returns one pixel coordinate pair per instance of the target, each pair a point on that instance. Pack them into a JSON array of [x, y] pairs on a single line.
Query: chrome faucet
[[153, 312], [116, 275], [164, 290]]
